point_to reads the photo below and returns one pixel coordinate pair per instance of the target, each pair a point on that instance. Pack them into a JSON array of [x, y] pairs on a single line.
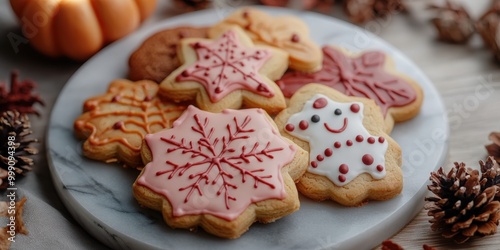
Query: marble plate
[[99, 196]]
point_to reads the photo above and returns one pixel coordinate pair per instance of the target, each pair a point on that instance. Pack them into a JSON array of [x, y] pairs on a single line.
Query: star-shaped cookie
[[227, 72]]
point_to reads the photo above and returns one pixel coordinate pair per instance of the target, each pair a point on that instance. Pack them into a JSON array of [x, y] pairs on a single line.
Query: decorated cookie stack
[[229, 123]]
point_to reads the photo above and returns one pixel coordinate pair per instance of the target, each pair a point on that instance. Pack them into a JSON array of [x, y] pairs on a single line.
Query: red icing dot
[[116, 98], [348, 143], [355, 108], [371, 140], [359, 138], [196, 45], [118, 125], [342, 178], [320, 103], [148, 98], [314, 164], [381, 139], [337, 144], [380, 168], [289, 127], [367, 159], [328, 152], [320, 158], [343, 168], [303, 125], [185, 73], [295, 38], [261, 87]]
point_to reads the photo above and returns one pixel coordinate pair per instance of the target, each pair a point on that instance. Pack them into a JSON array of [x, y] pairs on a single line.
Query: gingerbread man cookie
[[369, 74], [285, 32], [352, 160], [220, 171], [228, 72], [114, 124]]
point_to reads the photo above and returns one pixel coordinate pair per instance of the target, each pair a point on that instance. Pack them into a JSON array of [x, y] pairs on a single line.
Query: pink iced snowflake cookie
[[220, 171], [227, 72], [370, 74], [352, 160]]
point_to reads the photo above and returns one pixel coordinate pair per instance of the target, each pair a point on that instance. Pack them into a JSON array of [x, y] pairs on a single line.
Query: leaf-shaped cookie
[[115, 123]]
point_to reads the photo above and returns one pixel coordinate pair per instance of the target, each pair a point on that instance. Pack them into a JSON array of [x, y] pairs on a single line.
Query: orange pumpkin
[[78, 28]]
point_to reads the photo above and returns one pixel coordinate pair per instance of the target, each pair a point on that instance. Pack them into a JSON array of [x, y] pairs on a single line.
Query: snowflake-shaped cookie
[[220, 167], [115, 123], [227, 72], [369, 74], [351, 158]]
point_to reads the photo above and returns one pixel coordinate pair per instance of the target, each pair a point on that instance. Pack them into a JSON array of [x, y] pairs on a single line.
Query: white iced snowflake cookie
[[352, 160]]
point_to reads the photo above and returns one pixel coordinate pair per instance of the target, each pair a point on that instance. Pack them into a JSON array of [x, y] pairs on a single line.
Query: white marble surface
[[99, 196]]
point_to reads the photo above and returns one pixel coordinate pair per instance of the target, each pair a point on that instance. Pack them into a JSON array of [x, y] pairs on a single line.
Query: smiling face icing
[[340, 146]]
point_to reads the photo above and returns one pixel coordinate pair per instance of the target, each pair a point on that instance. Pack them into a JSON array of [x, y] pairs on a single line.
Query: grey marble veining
[[99, 195]]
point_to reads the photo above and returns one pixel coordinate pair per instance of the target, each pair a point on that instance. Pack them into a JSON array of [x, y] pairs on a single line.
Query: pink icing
[[365, 76], [225, 65], [217, 164]]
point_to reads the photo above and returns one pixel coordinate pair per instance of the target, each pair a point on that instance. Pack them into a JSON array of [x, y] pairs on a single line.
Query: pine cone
[[384, 8], [491, 174], [465, 204], [494, 148], [362, 11], [17, 126], [359, 11], [453, 23], [190, 5], [487, 26]]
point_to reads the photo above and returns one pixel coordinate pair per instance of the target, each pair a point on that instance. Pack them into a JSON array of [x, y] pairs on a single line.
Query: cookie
[[352, 160], [285, 32], [370, 74], [156, 58], [220, 171], [114, 124], [227, 72]]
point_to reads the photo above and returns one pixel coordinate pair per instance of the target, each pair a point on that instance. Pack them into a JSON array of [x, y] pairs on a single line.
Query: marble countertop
[[457, 71]]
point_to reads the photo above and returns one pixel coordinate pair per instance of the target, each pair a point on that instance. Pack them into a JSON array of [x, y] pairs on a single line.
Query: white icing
[[320, 139]]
